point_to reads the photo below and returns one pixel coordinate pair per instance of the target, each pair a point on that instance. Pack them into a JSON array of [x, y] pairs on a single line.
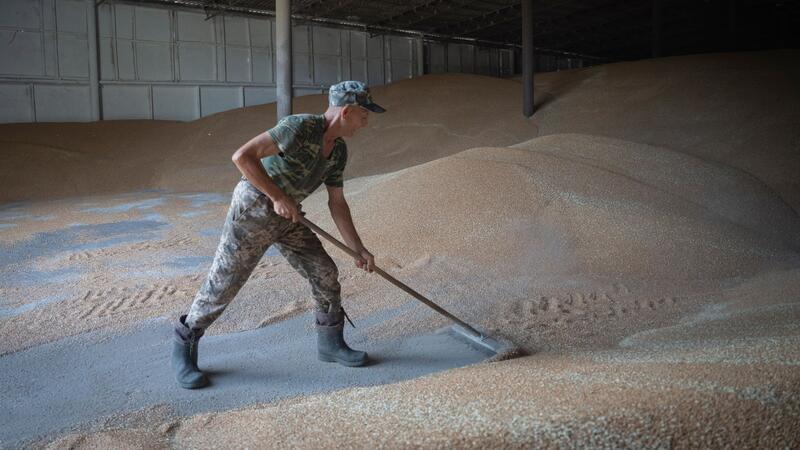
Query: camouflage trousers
[[250, 228]]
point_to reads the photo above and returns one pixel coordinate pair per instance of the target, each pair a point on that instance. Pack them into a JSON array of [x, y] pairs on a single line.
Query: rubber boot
[[331, 346], [184, 356]]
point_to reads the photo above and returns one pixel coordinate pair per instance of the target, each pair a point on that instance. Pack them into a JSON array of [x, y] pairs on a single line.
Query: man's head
[[350, 103]]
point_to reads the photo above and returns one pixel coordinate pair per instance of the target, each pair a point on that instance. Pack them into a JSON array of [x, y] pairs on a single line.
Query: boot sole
[[326, 358], [199, 385]]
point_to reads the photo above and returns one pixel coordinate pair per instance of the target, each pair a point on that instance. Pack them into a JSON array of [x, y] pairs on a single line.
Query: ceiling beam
[[457, 28], [541, 9], [461, 6], [411, 12], [492, 24], [326, 7]]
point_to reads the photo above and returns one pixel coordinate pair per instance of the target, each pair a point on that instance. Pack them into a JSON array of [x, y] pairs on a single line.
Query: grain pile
[[432, 116], [644, 248], [733, 109]]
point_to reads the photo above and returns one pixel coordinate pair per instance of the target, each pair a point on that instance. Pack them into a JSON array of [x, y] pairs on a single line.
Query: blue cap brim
[[374, 108]]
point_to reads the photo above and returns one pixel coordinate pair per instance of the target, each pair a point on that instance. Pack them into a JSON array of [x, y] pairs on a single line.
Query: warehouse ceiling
[[605, 29]]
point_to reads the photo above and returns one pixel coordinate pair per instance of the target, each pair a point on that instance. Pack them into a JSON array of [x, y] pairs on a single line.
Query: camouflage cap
[[352, 93]]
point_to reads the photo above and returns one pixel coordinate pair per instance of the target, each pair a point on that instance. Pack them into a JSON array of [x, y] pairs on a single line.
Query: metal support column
[[283, 71], [657, 27], [420, 46], [94, 60], [527, 58]]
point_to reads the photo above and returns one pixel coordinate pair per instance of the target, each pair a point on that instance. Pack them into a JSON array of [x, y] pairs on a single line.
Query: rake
[[460, 329]]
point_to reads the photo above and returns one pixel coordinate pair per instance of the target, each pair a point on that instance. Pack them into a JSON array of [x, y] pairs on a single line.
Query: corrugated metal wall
[[174, 64], [466, 58]]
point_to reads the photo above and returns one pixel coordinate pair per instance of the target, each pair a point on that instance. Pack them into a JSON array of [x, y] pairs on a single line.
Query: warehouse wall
[[174, 64], [466, 58]]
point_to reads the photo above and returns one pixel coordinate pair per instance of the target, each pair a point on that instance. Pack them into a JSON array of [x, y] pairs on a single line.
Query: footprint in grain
[[107, 302], [178, 241]]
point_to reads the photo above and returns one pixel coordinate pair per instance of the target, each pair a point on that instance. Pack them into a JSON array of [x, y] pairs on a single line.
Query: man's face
[[354, 118]]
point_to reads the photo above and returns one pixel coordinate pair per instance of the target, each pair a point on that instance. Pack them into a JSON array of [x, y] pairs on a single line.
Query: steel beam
[[527, 58], [283, 41], [94, 60]]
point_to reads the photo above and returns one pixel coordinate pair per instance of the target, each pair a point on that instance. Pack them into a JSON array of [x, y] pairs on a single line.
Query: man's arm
[[248, 160], [340, 211]]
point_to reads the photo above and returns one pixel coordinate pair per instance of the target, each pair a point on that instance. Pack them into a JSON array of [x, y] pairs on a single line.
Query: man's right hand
[[287, 208]]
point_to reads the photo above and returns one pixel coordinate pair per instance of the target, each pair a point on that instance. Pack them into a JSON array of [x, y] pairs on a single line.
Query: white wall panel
[[436, 58], [327, 41], [56, 103], [48, 14], [71, 16], [260, 33], [50, 54], [73, 57], [20, 13], [105, 20], [482, 61], [126, 102], [125, 60], [15, 103], [358, 70], [467, 58], [262, 66], [400, 47], [358, 45], [327, 69], [106, 51], [301, 68], [401, 64], [21, 53], [299, 92], [259, 95], [505, 64], [214, 99], [375, 47], [453, 58], [124, 21], [494, 62], [176, 102], [193, 27], [197, 62], [236, 31], [375, 61], [152, 24], [153, 61], [300, 42], [401, 70], [237, 64], [375, 72]]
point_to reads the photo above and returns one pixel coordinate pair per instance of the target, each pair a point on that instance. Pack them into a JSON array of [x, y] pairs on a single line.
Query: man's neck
[[332, 128]]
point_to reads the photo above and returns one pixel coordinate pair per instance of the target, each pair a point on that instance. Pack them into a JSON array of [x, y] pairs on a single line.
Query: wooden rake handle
[[390, 278]]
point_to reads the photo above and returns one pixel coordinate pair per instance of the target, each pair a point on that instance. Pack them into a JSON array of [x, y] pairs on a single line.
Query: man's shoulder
[[301, 122]]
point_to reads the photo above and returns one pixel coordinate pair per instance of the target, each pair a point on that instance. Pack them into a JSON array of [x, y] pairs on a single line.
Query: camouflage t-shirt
[[300, 167]]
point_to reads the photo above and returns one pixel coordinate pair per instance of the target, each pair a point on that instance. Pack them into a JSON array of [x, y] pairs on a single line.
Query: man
[[280, 168]]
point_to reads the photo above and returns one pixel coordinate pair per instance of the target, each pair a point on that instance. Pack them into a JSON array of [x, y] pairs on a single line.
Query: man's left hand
[[366, 262]]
